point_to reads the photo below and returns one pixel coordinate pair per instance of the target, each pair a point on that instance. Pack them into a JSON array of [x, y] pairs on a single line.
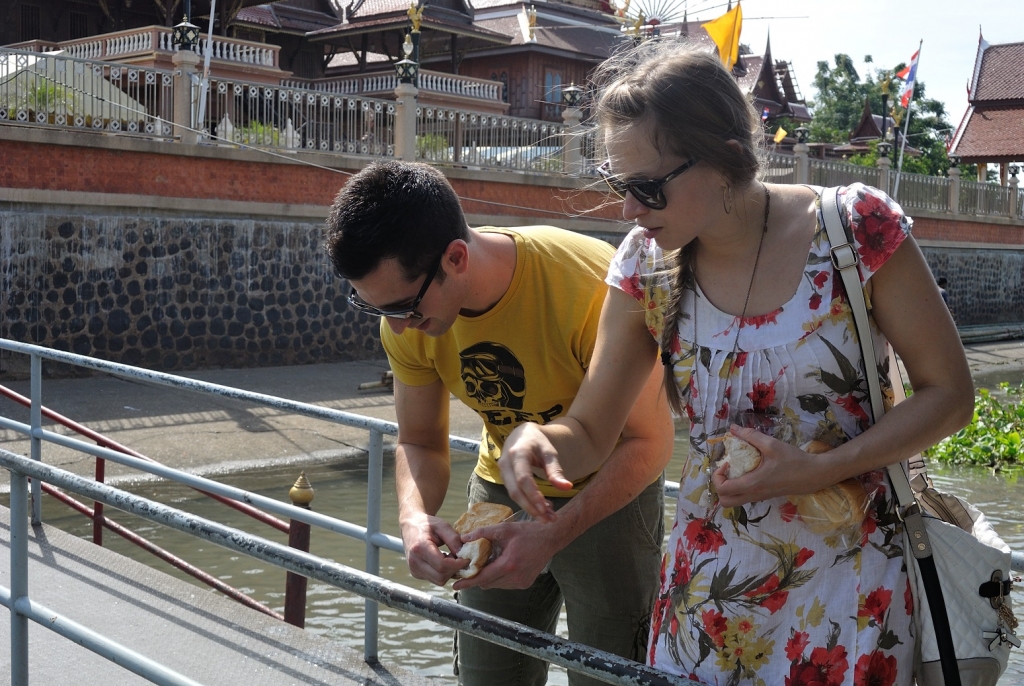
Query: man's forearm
[[633, 466], [421, 479]]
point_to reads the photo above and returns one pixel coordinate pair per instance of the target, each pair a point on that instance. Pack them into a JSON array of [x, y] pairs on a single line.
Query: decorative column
[[405, 105], [802, 150], [954, 184], [185, 62], [572, 115]]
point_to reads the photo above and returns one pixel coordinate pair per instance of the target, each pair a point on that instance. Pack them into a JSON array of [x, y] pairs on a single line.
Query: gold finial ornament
[[302, 492], [415, 13]]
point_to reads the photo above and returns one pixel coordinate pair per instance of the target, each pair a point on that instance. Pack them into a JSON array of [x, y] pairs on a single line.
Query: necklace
[[707, 498]]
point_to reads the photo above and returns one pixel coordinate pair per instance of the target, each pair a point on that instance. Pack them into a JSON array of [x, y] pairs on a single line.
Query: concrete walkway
[[194, 631]]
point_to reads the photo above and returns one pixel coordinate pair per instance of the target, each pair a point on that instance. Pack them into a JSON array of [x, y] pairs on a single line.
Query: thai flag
[[909, 74], [764, 114]]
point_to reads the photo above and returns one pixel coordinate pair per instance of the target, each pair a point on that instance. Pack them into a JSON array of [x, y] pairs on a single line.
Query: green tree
[[840, 103]]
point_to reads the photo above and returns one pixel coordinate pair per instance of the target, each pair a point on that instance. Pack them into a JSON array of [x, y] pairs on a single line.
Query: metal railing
[[455, 136], [294, 118], [65, 92], [829, 173], [368, 583]]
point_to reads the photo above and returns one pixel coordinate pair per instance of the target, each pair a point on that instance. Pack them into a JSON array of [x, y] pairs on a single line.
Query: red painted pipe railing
[[164, 555], [105, 442], [298, 532]]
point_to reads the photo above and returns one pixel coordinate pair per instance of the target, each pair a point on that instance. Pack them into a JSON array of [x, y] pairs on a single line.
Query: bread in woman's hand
[[740, 456], [836, 508], [478, 551]]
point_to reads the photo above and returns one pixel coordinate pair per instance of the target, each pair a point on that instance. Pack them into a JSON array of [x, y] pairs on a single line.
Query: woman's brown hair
[[693, 108]]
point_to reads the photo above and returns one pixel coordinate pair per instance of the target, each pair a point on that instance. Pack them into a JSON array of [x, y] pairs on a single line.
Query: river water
[[414, 643]]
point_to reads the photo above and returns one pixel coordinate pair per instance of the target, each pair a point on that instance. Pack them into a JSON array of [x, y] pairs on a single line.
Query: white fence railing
[[385, 82], [921, 192], [984, 198], [64, 92], [151, 39], [454, 136], [779, 168], [292, 118], [834, 173]]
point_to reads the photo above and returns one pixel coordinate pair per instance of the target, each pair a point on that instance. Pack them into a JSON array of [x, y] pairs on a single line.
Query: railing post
[[1014, 185], [36, 442], [405, 121], [803, 164], [884, 165], [97, 506], [301, 495], [572, 159], [185, 62], [374, 489], [954, 189], [19, 576]]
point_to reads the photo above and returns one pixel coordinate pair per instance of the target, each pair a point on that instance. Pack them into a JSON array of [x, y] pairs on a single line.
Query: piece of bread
[[478, 552], [816, 447], [740, 456], [836, 508]]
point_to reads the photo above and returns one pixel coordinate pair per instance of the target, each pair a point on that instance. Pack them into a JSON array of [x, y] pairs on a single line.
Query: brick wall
[[966, 231], [98, 170]]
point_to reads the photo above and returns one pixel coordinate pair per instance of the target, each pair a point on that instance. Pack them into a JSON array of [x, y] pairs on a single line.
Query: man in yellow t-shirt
[[507, 321]]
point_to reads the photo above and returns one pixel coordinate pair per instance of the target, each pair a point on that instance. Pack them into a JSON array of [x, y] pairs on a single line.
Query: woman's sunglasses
[[648, 191]]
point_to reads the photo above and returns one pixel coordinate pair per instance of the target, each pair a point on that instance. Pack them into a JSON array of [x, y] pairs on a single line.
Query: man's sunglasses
[[647, 192], [405, 312]]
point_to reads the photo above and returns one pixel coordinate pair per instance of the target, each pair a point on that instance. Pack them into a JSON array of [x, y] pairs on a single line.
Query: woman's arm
[[580, 442], [908, 309]]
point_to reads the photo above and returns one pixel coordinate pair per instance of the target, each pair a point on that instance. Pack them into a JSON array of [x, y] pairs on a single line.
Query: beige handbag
[[958, 567]]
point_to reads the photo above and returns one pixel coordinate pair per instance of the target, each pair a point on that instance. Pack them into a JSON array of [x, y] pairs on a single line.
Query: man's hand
[[526, 449], [523, 550], [423, 535]]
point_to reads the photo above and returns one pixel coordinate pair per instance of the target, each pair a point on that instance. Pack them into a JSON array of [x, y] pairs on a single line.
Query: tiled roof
[[262, 15], [753, 64], [585, 40], [1001, 76], [370, 7], [992, 133]]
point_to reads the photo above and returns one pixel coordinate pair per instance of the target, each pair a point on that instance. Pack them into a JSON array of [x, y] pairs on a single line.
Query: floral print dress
[[755, 594]]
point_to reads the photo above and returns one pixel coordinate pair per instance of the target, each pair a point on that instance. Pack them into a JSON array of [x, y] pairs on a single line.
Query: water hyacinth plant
[[993, 438]]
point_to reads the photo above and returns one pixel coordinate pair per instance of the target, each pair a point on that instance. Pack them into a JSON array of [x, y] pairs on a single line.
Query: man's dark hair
[[393, 209], [941, 282]]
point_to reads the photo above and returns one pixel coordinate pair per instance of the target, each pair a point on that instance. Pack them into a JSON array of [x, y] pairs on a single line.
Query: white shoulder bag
[[959, 568]]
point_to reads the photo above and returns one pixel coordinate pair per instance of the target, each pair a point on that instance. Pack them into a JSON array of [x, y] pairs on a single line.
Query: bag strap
[[844, 259]]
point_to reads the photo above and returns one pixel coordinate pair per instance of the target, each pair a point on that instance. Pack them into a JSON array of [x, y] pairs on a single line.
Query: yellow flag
[[780, 134], [725, 31]]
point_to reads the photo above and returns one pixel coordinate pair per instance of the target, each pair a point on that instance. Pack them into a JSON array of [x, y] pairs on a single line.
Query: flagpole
[[906, 126]]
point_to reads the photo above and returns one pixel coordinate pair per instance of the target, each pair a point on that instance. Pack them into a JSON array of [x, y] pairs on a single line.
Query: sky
[[948, 28]]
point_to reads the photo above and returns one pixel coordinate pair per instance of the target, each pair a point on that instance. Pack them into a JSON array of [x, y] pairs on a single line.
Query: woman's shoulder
[[877, 223]]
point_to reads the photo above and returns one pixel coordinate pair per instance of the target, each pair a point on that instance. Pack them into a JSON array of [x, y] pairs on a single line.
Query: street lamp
[[573, 95], [954, 160], [1014, 169], [801, 134], [186, 34], [884, 149], [407, 69]]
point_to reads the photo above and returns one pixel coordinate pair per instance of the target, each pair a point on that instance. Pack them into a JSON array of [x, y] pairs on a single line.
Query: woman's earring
[[727, 199]]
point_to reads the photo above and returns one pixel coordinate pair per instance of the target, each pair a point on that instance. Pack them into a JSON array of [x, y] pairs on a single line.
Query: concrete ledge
[[26, 133], [192, 208], [967, 245]]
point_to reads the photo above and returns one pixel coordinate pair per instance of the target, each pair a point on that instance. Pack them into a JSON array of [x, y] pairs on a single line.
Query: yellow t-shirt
[[525, 358]]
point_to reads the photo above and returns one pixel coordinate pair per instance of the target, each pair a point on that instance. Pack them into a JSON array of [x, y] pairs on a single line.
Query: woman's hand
[[784, 470], [527, 449]]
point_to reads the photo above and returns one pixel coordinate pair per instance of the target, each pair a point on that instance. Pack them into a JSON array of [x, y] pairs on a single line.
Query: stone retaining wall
[[168, 292]]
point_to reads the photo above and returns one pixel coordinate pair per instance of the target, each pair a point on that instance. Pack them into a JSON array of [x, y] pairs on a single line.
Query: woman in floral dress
[[732, 279]]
